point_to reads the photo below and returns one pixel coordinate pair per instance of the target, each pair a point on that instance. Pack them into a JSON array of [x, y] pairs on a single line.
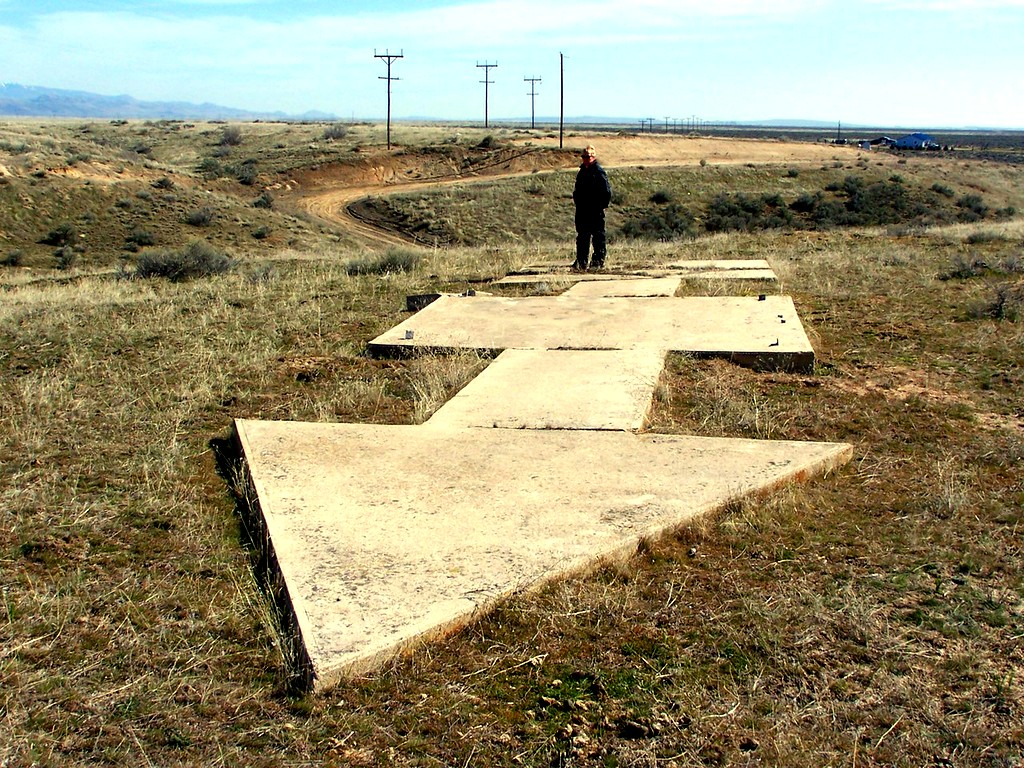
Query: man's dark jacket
[[593, 191]]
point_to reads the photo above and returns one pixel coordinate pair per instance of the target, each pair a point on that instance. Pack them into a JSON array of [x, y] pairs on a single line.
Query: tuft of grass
[[435, 379]]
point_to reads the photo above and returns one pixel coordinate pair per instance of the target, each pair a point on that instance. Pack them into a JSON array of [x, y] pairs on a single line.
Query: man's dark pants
[[590, 227]]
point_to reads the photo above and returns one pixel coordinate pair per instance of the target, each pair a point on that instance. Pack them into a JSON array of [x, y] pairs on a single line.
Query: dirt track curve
[[327, 194]]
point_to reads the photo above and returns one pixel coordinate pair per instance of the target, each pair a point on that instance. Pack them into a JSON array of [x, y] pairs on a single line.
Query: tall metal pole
[[388, 58], [533, 100], [487, 83], [561, 108]]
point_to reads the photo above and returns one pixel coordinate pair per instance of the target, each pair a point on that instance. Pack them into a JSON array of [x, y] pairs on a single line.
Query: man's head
[[589, 154]]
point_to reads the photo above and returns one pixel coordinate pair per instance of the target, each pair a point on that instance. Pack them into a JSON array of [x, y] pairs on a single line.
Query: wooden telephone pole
[[487, 82], [389, 58], [533, 99]]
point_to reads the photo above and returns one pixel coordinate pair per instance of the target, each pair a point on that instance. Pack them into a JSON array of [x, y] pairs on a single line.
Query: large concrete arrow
[[383, 536]]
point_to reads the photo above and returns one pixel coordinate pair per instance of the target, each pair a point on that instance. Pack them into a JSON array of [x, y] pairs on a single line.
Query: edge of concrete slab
[[293, 625]]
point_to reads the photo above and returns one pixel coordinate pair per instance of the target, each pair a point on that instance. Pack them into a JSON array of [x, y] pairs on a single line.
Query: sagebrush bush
[[335, 131], [393, 261], [195, 260], [14, 258], [64, 258], [741, 212], [265, 201], [972, 208], [666, 223], [231, 136], [1007, 303], [61, 235], [246, 172], [200, 217], [141, 237], [211, 168]]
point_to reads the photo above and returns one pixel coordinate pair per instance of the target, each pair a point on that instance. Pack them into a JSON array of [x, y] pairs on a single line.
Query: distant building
[[917, 141]]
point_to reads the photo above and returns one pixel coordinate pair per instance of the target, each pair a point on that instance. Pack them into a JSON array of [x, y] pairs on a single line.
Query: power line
[[389, 58], [487, 82]]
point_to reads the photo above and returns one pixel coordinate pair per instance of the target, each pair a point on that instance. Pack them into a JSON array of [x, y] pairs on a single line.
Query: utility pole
[[487, 83], [561, 99], [389, 58], [533, 100]]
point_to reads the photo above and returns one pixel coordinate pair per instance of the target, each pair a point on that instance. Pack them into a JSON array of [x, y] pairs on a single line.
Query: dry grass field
[[875, 617]]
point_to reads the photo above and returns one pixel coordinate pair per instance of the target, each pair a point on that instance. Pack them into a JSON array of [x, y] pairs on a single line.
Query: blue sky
[[901, 63]]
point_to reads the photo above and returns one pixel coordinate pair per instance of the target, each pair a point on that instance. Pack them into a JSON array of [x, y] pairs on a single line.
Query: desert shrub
[[200, 217], [61, 235], [793, 172], [669, 222], [964, 268], [211, 168], [972, 208], [942, 189], [1007, 302], [987, 236], [807, 203], [738, 212], [661, 196], [231, 136], [141, 237], [164, 182], [195, 260], [885, 202], [14, 258], [335, 131], [64, 258], [392, 261], [488, 142], [261, 233], [1013, 264], [246, 172], [265, 200]]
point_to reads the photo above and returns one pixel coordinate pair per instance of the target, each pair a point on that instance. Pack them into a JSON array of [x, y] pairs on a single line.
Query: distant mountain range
[[35, 101]]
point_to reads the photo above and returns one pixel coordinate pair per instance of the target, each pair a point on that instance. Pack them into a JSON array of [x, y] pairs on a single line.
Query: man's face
[[588, 155]]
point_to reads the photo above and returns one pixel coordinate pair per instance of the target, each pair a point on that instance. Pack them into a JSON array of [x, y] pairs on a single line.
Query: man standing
[[592, 194]]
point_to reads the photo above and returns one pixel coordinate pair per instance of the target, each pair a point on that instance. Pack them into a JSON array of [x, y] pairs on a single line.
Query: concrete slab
[[558, 280], [718, 265], [764, 275], [388, 535], [638, 288], [764, 332], [558, 389], [561, 278]]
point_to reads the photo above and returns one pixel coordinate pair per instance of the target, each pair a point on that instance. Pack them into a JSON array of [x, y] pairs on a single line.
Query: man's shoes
[[578, 267], [596, 265]]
